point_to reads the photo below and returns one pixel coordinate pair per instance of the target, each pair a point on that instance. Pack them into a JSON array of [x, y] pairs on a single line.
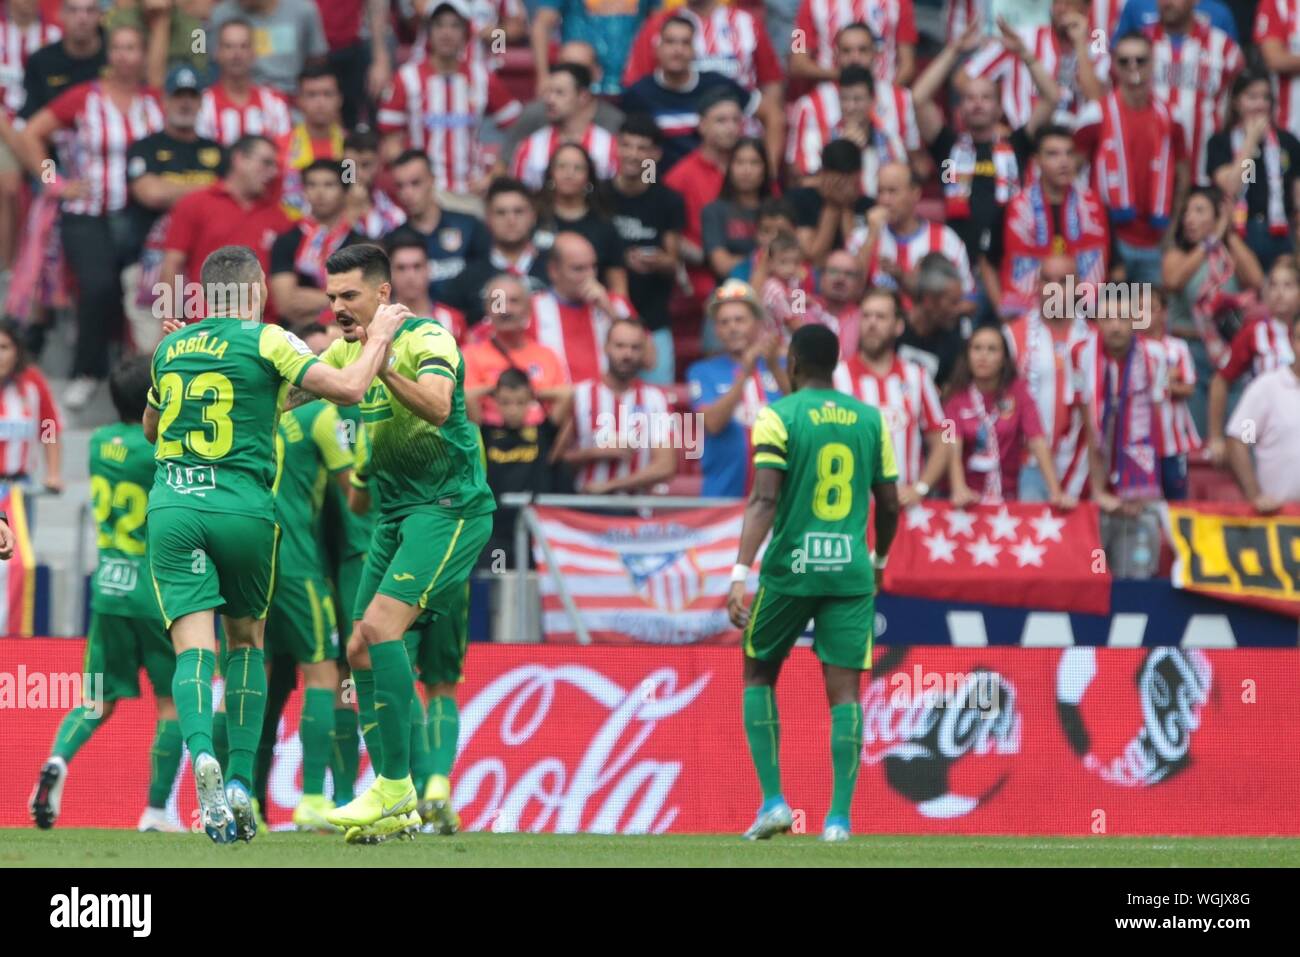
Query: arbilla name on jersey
[[192, 479], [822, 552]]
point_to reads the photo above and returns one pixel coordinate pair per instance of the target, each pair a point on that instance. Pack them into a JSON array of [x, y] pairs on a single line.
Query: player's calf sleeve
[[192, 692], [164, 759], [345, 756], [421, 757], [444, 731], [315, 729], [245, 711], [763, 729], [393, 691], [367, 716], [846, 755], [74, 731]]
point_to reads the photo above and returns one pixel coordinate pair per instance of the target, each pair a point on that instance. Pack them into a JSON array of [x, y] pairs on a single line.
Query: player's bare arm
[[760, 512], [887, 509], [150, 422]]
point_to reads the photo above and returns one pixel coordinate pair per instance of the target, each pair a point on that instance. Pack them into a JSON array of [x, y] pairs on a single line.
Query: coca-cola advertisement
[[1074, 741]]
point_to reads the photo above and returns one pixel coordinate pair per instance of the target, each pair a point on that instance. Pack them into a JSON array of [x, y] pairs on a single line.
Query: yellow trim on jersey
[[888, 461], [275, 564], [287, 353], [770, 440], [317, 624], [753, 619], [451, 547]]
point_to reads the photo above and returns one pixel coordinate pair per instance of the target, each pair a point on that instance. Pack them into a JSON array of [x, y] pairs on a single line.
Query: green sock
[[245, 711], [74, 731], [846, 755], [366, 717], [315, 730], [192, 692], [164, 759], [763, 729], [444, 732], [221, 739], [346, 757], [393, 691], [421, 755]]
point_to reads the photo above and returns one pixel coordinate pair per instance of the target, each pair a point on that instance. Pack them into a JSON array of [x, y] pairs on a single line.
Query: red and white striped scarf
[[1119, 169], [961, 177], [317, 244]]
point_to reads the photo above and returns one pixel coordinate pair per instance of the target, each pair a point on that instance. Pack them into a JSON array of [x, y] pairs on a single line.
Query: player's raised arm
[[347, 386], [431, 393]]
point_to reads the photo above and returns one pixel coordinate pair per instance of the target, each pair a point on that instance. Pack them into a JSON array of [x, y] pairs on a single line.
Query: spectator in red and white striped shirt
[[568, 98], [818, 21], [235, 106], [105, 117], [1194, 66], [28, 415], [1178, 434], [439, 105], [1277, 35], [574, 315], [1067, 54], [895, 238], [22, 33], [816, 115], [903, 391], [1261, 345], [621, 437]]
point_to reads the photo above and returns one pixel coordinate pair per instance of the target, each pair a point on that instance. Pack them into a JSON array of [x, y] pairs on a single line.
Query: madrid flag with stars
[[1018, 554]]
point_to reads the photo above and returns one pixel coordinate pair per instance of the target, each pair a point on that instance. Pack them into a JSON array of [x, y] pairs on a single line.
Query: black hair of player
[[128, 387], [369, 258], [814, 353]]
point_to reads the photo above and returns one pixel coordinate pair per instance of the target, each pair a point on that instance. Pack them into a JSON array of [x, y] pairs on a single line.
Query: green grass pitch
[[105, 848]]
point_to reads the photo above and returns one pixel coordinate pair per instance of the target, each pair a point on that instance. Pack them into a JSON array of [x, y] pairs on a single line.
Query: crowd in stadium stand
[[1059, 257]]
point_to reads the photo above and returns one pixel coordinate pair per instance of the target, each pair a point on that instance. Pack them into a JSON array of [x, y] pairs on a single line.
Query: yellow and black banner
[[1230, 551]]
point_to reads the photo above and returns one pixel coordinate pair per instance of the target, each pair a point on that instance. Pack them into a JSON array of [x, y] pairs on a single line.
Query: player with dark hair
[[819, 456]]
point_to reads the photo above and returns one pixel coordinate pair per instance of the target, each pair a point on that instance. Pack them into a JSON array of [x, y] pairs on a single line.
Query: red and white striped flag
[[660, 580]]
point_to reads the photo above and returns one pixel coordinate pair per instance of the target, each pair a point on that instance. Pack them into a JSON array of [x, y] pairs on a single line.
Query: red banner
[[1027, 556], [982, 741]]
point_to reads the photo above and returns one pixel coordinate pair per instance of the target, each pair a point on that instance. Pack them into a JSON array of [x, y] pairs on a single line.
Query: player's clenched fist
[[736, 609]]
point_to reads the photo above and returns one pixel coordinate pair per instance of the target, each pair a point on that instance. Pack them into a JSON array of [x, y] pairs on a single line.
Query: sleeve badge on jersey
[[299, 346]]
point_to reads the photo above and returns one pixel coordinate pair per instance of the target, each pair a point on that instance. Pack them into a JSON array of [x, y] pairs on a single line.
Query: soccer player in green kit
[[818, 456], [219, 386], [435, 516], [126, 628], [311, 452]]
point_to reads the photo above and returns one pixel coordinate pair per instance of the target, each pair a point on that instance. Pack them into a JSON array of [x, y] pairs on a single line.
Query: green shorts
[[437, 649], [205, 560], [119, 647], [843, 627], [422, 559], [301, 622]]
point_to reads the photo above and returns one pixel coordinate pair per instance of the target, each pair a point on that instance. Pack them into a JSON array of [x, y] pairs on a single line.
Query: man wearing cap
[[438, 106], [161, 169], [729, 390]]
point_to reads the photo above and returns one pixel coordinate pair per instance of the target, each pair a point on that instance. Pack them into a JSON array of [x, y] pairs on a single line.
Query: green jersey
[[833, 449], [218, 386], [413, 464], [121, 474], [310, 448]]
